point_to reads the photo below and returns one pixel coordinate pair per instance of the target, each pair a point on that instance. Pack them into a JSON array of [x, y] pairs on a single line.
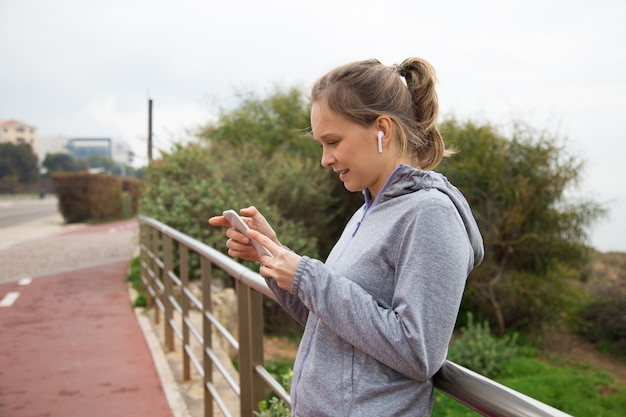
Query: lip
[[342, 173]]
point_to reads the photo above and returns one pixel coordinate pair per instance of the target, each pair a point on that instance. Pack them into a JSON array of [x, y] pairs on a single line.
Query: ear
[[385, 125]]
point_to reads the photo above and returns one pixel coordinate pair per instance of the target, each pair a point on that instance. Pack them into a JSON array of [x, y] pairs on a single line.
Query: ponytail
[[428, 147]]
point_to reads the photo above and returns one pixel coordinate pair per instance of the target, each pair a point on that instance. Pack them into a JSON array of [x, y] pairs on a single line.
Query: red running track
[[70, 345]]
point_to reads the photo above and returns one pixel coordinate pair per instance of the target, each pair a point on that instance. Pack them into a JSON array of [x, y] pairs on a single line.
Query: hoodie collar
[[406, 179]]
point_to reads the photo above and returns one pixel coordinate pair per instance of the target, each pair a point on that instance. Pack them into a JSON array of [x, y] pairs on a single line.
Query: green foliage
[[277, 127], [603, 322], [533, 234], [18, 164], [133, 187], [188, 186], [63, 162], [258, 154], [84, 197], [481, 352], [134, 278], [601, 319], [261, 154], [273, 406], [278, 121], [577, 390]]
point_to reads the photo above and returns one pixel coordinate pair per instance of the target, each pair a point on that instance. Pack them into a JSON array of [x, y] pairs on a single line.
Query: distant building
[[83, 148], [13, 131]]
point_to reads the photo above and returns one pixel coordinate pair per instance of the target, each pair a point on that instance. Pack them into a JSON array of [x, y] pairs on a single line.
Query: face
[[349, 149]]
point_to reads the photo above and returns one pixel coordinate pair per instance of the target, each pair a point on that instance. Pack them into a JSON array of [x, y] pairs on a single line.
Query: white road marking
[[25, 281], [9, 299]]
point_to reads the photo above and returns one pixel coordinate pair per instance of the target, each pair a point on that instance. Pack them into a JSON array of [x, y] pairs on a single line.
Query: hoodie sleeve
[[289, 302], [411, 336]]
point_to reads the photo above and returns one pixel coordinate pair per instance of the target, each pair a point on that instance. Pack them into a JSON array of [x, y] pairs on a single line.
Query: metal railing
[[169, 294]]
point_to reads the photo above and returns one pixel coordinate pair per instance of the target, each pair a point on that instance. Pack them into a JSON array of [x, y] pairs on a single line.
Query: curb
[[168, 382]]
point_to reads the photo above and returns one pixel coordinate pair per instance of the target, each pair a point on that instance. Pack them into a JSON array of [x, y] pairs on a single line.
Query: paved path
[[70, 343]]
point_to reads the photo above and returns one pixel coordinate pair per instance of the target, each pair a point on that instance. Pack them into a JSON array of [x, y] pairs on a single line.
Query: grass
[[577, 389]]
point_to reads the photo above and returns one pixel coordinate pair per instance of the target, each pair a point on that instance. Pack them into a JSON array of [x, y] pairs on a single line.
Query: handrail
[[474, 390]]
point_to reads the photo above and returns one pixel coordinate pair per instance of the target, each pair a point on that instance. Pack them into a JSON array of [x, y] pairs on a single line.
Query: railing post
[[184, 303], [168, 266], [157, 272], [145, 263], [207, 329], [250, 324]]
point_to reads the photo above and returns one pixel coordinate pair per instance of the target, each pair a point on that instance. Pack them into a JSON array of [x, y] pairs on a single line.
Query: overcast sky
[[87, 68]]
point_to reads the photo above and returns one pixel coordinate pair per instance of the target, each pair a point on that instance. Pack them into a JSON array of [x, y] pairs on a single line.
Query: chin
[[352, 189]]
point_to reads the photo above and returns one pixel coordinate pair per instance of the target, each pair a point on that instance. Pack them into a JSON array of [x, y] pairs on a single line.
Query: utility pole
[[149, 130]]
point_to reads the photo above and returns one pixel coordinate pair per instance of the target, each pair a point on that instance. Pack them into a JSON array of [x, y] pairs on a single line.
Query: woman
[[379, 313]]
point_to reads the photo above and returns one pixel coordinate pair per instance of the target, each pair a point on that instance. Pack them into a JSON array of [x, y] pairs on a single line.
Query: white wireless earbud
[[380, 141]]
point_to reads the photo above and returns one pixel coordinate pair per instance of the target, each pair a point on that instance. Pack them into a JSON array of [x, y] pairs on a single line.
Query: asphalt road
[[15, 211]]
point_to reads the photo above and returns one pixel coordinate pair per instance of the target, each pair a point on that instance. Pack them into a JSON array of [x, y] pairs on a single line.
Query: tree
[[63, 162], [278, 121], [535, 237], [19, 161], [278, 126]]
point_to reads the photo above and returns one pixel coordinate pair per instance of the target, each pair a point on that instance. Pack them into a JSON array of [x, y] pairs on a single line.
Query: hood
[[406, 179]]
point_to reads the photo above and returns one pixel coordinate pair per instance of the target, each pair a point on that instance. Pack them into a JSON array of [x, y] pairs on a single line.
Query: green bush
[[481, 352], [133, 186], [88, 197], [273, 406], [134, 278], [603, 322], [196, 182]]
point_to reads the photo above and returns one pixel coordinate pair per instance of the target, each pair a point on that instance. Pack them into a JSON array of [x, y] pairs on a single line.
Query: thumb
[[249, 211]]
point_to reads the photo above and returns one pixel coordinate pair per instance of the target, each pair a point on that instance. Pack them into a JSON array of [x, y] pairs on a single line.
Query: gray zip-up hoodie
[[380, 312]]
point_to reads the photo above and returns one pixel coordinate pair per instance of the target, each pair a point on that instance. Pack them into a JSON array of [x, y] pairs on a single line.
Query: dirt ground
[[575, 349], [276, 348]]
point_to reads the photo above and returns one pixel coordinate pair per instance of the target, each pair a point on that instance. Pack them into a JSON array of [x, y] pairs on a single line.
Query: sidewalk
[[71, 343]]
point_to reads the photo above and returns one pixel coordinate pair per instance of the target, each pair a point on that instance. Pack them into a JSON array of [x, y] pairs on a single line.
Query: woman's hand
[[238, 243], [281, 266]]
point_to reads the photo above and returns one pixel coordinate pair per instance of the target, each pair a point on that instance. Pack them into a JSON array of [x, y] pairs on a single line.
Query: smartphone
[[238, 223]]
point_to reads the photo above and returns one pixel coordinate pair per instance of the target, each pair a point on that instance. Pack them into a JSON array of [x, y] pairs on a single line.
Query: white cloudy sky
[[87, 68]]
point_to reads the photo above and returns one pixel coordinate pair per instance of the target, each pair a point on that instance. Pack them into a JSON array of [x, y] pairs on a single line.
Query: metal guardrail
[[157, 243]]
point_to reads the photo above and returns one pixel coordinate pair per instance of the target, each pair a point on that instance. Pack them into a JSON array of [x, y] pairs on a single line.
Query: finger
[[249, 211], [254, 215], [218, 221], [238, 246], [266, 271], [236, 235], [263, 240], [238, 250]]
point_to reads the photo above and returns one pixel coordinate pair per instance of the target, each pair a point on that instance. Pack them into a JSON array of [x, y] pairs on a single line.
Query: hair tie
[[395, 68]]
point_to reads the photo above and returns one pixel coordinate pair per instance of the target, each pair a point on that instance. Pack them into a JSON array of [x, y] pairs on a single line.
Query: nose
[[327, 158]]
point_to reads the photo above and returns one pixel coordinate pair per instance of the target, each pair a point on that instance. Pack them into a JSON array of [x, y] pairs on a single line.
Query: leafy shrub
[[603, 322], [134, 278], [133, 187], [481, 352], [196, 182], [84, 196], [274, 406]]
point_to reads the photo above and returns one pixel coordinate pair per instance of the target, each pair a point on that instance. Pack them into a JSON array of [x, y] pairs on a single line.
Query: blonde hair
[[364, 90]]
